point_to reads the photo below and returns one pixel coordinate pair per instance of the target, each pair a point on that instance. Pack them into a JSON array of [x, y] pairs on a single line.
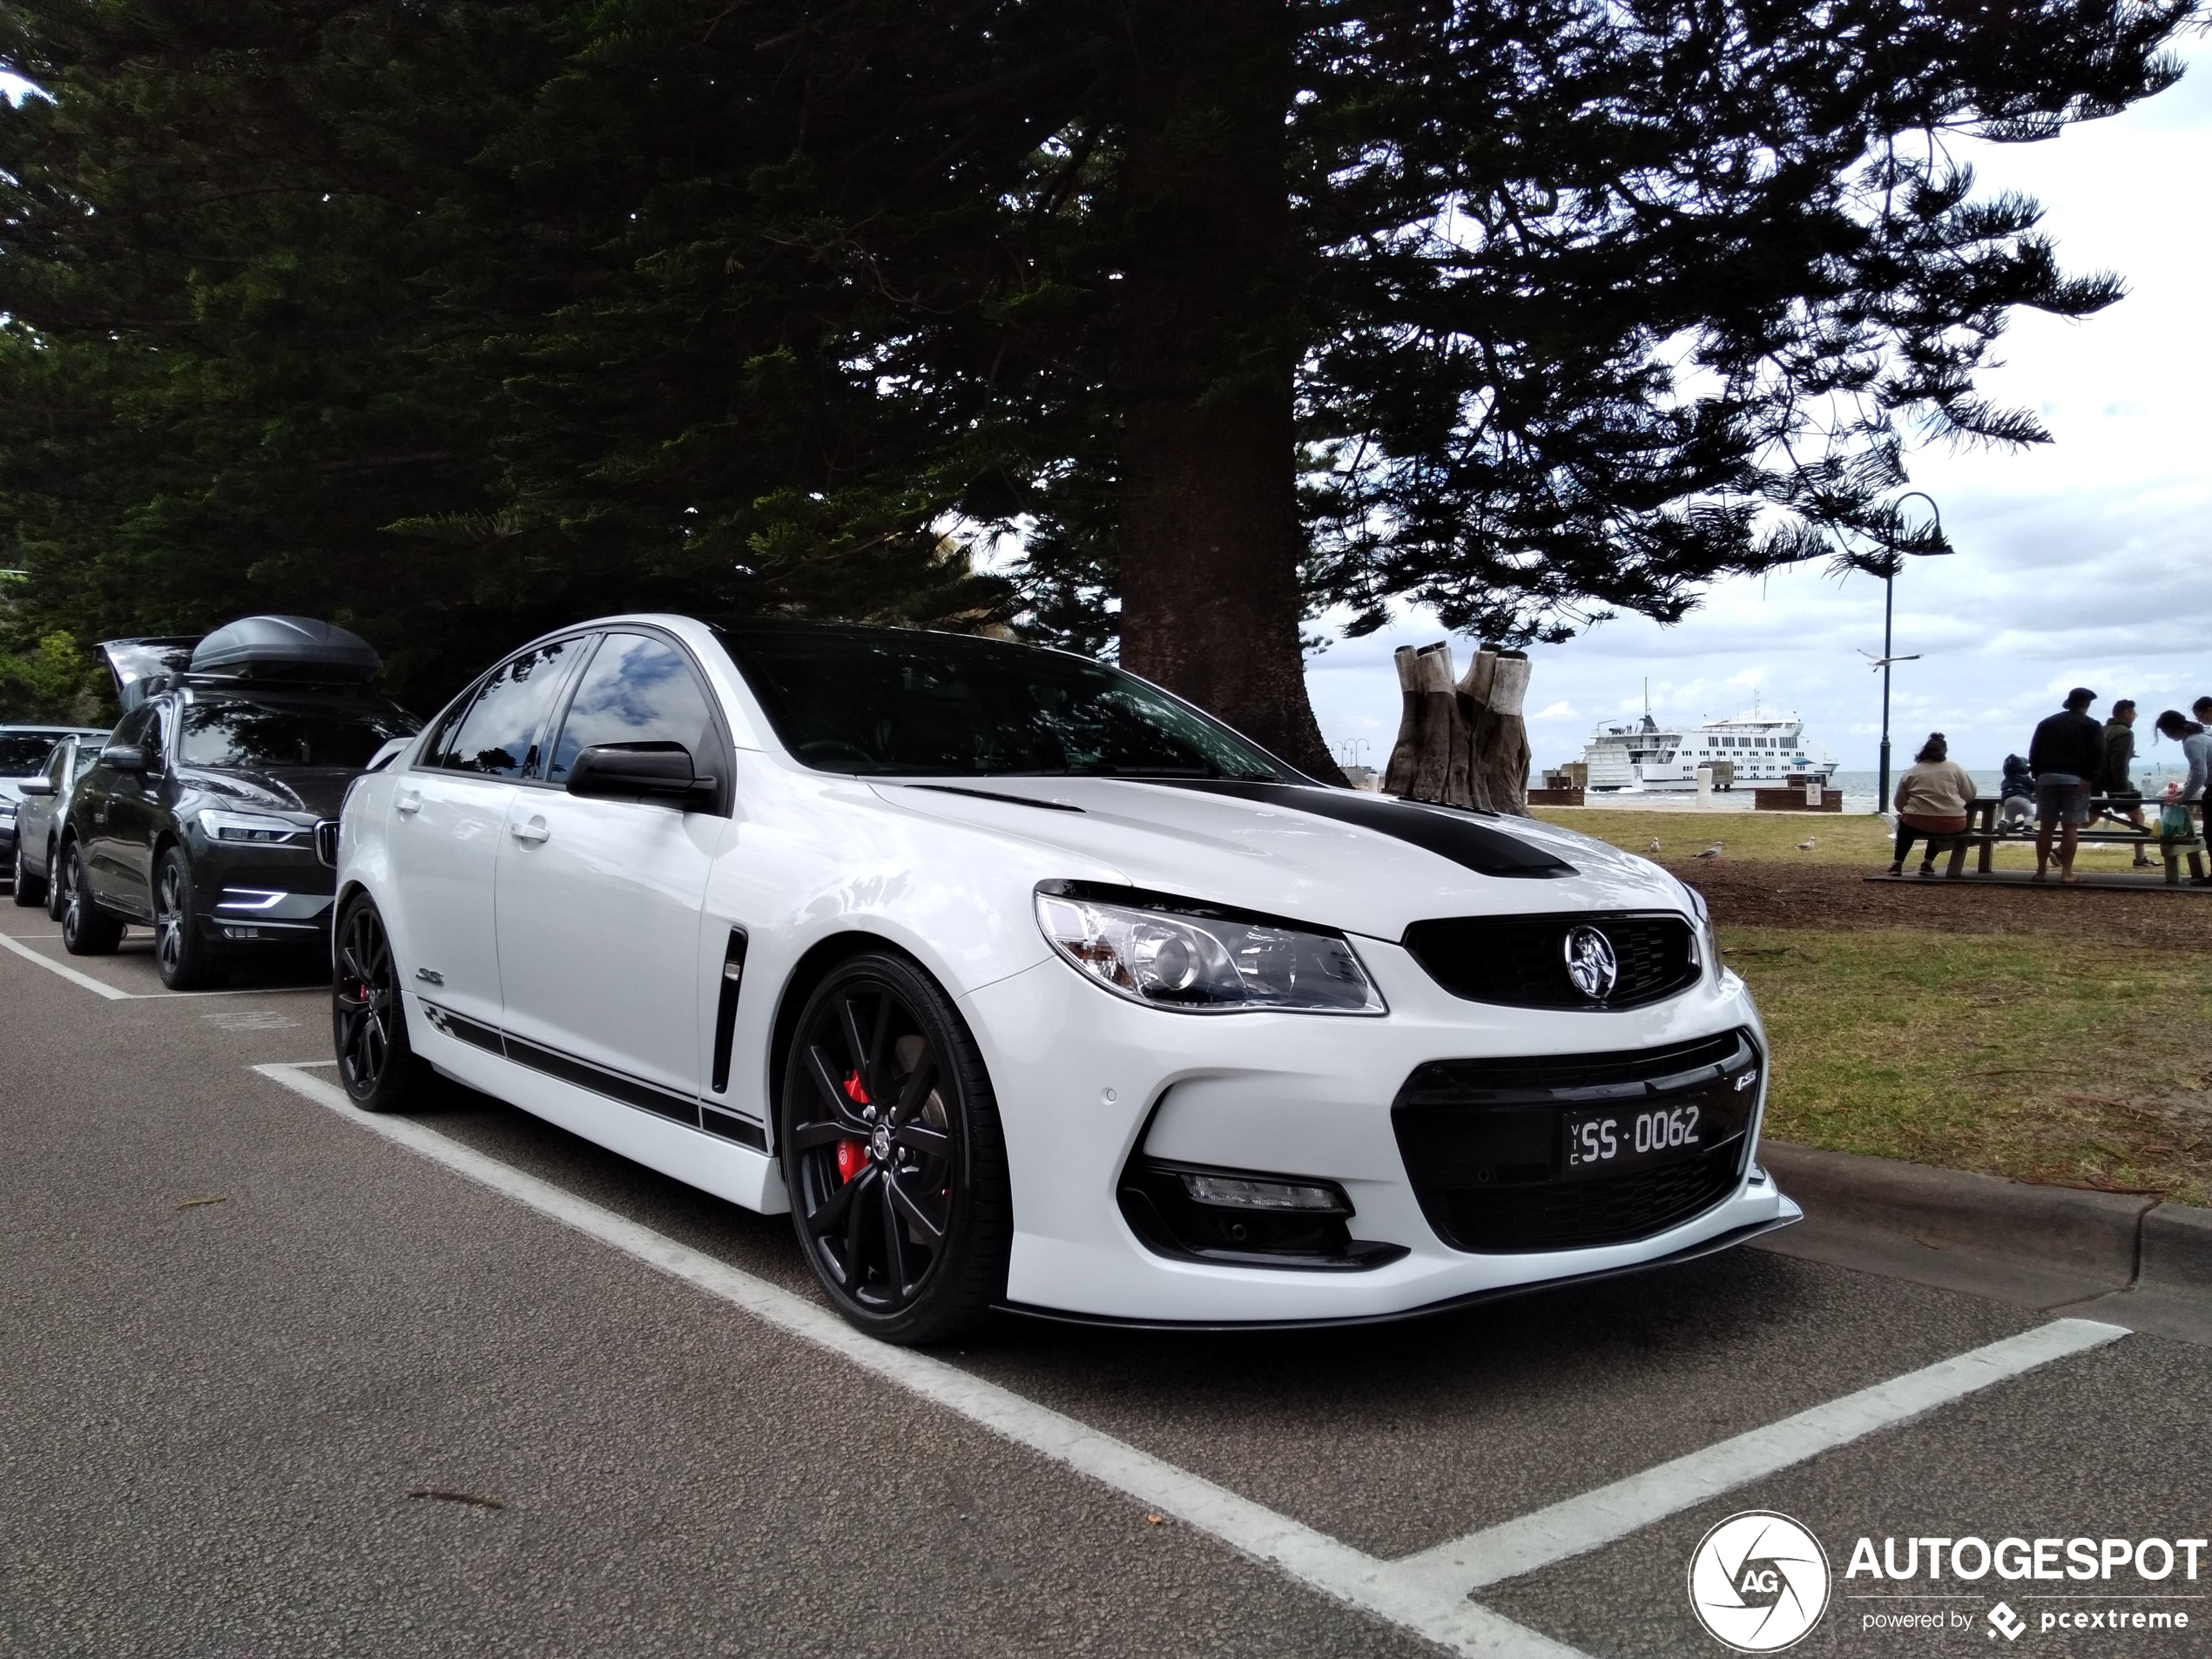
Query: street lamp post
[[1889, 583]]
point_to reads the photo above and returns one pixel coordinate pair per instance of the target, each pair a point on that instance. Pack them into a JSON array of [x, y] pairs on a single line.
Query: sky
[[2087, 560]]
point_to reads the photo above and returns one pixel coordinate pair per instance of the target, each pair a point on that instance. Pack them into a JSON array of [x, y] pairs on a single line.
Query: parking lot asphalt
[[237, 1330]]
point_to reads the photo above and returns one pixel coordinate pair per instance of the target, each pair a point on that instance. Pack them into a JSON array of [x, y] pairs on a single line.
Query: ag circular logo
[[1591, 964], [1758, 1581]]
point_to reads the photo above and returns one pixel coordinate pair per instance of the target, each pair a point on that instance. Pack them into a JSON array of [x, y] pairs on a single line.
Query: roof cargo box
[[141, 667], [285, 648]]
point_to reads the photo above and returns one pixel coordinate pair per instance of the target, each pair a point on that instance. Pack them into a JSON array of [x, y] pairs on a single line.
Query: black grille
[[1521, 961], [327, 841], [1484, 1142]]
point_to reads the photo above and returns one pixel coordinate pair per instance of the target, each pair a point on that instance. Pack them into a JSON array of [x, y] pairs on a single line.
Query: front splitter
[[1712, 1246]]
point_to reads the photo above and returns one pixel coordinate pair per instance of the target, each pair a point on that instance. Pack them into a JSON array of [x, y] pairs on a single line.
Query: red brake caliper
[[853, 1156]]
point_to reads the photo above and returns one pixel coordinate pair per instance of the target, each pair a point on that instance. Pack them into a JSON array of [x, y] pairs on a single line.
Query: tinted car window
[[943, 703], [637, 690], [22, 753], [248, 735], [87, 752], [498, 735], [134, 726]]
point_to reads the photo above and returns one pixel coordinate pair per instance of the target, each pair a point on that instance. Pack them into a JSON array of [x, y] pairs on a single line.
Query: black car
[[212, 812]]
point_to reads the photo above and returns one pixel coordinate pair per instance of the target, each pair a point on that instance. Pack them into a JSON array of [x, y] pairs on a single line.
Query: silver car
[[41, 802]]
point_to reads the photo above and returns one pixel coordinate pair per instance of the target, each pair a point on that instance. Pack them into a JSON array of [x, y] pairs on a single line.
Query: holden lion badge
[[1591, 964], [1758, 1581]]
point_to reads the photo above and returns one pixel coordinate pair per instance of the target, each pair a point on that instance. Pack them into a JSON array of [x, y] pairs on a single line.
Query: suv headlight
[[256, 827], [1196, 960]]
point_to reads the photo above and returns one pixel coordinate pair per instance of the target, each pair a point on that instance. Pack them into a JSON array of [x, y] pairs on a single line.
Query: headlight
[[1703, 939], [250, 826], [1199, 962]]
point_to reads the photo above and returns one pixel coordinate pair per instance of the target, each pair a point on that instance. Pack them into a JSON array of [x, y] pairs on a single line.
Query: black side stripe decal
[[614, 1085], [630, 1091], [725, 1010]]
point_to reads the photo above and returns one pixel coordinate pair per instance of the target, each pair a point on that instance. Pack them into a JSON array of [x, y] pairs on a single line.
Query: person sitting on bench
[[2066, 755], [2116, 781], [1930, 800], [2016, 796]]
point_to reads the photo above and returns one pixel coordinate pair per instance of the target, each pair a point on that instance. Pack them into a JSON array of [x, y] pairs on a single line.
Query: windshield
[[22, 753], [250, 735], [946, 704]]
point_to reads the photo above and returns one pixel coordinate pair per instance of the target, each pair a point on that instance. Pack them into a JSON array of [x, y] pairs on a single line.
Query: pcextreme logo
[[1758, 1581]]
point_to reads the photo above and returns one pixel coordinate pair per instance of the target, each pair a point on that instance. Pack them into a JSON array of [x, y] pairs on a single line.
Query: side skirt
[[714, 1151]]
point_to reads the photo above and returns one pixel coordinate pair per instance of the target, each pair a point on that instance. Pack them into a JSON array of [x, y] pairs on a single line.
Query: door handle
[[532, 833], [410, 805]]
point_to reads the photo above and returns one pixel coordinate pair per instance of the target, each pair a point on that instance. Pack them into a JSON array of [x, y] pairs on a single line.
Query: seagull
[[1805, 846], [1714, 850], [1655, 844]]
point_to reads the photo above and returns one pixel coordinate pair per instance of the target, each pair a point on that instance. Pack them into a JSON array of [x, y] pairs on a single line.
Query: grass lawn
[[2083, 1060], [2013, 1056], [1857, 838]]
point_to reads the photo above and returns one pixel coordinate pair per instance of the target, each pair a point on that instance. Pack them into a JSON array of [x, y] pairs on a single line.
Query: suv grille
[[1521, 961], [327, 841], [1484, 1142]]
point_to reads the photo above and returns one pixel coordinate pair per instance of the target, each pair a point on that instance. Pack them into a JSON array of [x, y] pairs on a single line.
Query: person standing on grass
[[2066, 755], [1932, 800], [2116, 780], [2196, 746]]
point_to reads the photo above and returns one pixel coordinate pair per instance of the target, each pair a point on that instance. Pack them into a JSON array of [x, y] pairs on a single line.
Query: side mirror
[[41, 785], [124, 757], [630, 769]]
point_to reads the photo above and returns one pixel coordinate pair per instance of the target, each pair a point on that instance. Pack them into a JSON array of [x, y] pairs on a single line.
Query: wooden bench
[[1983, 833]]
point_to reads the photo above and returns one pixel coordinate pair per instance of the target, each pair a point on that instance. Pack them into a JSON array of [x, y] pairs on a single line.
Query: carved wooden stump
[[1461, 742]]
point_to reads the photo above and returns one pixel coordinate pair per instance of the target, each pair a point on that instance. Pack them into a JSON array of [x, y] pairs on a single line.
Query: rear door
[[599, 901], [449, 813]]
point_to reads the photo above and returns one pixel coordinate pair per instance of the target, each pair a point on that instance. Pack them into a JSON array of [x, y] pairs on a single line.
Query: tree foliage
[[453, 323]]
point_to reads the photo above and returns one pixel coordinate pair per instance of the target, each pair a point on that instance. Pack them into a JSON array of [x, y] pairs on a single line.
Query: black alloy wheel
[[181, 955], [892, 1154], [28, 888], [87, 929], [376, 1062]]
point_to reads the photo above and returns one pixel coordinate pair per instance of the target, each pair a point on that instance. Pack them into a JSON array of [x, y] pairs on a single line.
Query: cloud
[[1560, 710]]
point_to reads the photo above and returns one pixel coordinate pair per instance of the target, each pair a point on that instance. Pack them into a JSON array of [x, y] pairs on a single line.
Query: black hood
[[314, 790]]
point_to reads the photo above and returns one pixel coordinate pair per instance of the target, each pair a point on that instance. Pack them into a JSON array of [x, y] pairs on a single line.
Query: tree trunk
[[1209, 539]]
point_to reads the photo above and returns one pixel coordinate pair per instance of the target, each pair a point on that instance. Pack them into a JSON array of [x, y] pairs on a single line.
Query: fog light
[[1233, 1192]]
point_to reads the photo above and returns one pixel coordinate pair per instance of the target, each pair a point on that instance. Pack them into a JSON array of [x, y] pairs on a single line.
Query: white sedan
[[1022, 983]]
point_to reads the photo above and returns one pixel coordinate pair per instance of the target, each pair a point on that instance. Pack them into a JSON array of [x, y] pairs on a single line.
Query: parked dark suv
[[212, 813]]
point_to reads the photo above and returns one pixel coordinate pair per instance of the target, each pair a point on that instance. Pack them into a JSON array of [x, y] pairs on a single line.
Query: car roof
[[14, 727]]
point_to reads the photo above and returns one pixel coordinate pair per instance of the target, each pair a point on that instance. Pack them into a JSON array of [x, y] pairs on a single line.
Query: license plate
[[1612, 1140]]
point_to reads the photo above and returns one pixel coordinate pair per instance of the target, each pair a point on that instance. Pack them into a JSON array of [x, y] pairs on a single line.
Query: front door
[[600, 901], [123, 813], [448, 816]]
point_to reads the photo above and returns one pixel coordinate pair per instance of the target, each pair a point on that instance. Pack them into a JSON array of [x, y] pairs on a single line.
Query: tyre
[[55, 891], [181, 955], [377, 1066], [87, 930], [29, 889], [894, 1155]]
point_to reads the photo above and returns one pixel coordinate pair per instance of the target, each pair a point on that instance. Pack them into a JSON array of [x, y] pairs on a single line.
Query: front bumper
[[254, 897], [1084, 1077]]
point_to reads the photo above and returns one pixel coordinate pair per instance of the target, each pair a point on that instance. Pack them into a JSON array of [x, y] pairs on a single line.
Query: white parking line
[[66, 971], [1595, 1519], [1310, 1556], [1427, 1592], [114, 994]]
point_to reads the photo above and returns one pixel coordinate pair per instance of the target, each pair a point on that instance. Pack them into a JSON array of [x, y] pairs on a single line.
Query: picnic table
[[1982, 832]]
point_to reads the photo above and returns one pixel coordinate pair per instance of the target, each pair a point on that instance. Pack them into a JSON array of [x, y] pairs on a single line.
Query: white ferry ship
[[1756, 751]]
